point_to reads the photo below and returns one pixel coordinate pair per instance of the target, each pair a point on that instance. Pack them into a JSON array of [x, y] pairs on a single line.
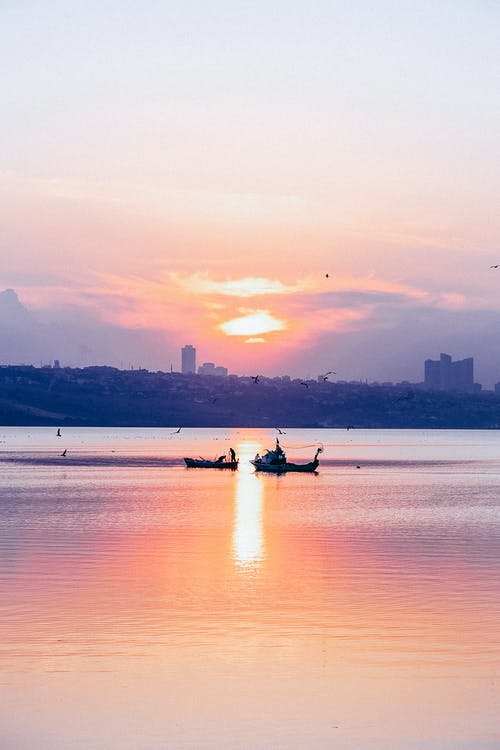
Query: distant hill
[[107, 396]]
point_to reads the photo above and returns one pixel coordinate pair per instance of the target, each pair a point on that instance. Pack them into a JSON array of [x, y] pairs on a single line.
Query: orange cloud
[[248, 286]]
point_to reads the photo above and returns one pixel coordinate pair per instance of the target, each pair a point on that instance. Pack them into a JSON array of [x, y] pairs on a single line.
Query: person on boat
[[232, 455], [278, 454], [257, 458], [221, 459]]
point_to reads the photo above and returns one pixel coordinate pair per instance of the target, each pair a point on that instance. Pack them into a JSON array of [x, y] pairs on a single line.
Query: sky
[[176, 173]]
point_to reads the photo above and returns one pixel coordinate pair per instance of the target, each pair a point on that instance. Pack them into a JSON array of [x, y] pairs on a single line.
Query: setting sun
[[253, 324]]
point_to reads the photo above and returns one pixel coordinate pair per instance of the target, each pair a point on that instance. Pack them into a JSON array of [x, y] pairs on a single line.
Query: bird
[[325, 378], [176, 431], [306, 384], [64, 452], [497, 266], [255, 378], [280, 431], [327, 275], [58, 432]]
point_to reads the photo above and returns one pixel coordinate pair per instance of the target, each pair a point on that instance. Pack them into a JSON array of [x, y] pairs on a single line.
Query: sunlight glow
[[253, 324], [248, 534], [246, 287]]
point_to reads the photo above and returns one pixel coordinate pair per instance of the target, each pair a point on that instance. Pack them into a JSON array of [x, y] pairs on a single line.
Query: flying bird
[[64, 452], [255, 378], [58, 432], [176, 431], [306, 384], [497, 266], [280, 431]]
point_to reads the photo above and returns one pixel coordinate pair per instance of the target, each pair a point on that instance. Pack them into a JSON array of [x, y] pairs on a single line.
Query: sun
[[253, 324]]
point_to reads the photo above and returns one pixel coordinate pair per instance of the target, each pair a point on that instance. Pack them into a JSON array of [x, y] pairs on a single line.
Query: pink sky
[[198, 173]]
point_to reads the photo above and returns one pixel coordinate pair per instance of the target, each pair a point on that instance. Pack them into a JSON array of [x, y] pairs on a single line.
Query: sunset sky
[[189, 172]]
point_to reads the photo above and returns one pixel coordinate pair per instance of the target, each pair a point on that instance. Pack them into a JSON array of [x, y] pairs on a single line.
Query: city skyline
[[26, 338]]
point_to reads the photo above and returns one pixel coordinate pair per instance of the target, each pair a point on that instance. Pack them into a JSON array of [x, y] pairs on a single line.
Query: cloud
[[155, 200], [249, 286]]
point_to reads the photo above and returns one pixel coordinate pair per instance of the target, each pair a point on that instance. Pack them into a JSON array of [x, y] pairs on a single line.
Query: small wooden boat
[[204, 463], [276, 462]]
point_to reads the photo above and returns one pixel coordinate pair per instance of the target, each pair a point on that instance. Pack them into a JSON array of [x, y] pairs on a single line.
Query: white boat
[[276, 462]]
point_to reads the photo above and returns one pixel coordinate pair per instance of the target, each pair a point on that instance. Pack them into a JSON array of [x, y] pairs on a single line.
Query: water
[[148, 606]]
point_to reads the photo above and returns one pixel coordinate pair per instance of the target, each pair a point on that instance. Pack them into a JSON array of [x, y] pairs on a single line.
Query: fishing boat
[[276, 462], [205, 463]]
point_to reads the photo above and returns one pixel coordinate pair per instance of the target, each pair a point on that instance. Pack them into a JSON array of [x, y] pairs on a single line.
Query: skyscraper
[[188, 354], [445, 375]]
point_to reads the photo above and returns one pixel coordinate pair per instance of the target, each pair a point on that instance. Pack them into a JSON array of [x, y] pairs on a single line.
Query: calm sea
[[146, 606]]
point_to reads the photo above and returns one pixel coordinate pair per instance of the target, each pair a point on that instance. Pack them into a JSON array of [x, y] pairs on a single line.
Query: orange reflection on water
[[248, 533]]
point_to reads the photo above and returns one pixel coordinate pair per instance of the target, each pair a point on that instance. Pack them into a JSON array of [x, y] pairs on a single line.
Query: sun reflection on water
[[248, 534]]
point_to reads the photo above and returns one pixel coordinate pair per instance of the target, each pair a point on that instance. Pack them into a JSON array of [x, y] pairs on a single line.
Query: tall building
[[463, 375], [445, 375], [188, 356]]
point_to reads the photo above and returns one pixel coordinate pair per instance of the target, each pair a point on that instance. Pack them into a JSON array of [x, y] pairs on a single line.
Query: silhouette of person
[[221, 459], [232, 454]]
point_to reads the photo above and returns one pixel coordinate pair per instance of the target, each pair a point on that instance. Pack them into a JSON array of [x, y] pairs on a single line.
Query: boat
[[204, 463], [276, 462]]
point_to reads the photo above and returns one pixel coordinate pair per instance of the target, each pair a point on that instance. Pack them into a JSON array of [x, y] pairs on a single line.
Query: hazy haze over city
[[189, 173]]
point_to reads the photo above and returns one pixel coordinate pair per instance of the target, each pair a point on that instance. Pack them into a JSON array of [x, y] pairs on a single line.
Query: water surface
[[146, 605]]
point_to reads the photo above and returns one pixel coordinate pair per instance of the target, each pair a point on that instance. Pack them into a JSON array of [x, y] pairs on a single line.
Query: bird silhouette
[[327, 275], [280, 431], [497, 266], [325, 378], [255, 378], [58, 432], [306, 384], [64, 452], [176, 431]]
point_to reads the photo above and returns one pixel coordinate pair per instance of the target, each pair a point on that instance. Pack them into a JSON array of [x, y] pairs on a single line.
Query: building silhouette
[[188, 358], [209, 368], [445, 375]]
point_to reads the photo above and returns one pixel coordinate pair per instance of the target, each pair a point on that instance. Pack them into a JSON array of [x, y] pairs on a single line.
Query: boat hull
[[285, 468], [199, 463]]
